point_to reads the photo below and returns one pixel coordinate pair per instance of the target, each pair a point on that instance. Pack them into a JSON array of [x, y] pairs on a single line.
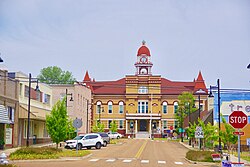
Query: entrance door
[[143, 125]]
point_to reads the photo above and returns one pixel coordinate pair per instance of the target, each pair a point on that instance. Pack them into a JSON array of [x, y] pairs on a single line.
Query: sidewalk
[[232, 157], [11, 150]]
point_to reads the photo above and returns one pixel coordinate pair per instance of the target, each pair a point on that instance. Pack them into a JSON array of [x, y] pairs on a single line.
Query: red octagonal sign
[[238, 119]]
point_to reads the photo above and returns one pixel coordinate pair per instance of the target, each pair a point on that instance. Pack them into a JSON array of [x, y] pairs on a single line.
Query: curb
[[53, 160]]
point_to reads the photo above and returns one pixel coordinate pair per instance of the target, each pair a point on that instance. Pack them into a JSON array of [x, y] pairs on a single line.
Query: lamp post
[[1, 60], [211, 95], [28, 124], [199, 92], [71, 97], [248, 67]]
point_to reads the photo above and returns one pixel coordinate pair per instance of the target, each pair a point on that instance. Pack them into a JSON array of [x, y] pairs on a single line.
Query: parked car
[[87, 140], [105, 137], [114, 135]]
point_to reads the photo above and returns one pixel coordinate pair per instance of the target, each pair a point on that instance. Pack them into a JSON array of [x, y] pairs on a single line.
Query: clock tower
[[143, 64]]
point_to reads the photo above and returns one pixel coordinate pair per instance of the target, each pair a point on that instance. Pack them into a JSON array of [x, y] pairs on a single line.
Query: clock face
[[144, 59], [143, 71]]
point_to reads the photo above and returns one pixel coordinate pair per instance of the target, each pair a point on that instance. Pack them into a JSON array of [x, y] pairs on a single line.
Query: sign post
[[238, 120], [199, 134], [77, 123]]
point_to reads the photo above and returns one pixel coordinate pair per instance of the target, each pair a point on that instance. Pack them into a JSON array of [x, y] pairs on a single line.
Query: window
[[142, 107], [26, 91], [121, 107], [143, 90], [110, 107], [11, 113], [98, 107], [109, 125], [164, 107], [164, 124], [46, 99], [121, 124], [21, 89], [175, 107]]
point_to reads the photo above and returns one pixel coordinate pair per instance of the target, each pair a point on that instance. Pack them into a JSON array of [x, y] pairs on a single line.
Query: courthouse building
[[144, 103]]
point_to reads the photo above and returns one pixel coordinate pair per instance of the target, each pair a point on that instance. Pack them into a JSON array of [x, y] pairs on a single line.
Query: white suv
[[114, 135], [87, 140]]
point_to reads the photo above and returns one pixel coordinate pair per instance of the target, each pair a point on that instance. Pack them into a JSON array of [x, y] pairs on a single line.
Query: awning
[[4, 118]]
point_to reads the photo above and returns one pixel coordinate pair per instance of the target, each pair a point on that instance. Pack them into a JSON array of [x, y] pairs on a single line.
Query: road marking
[[127, 160], [144, 161], [94, 160], [161, 162], [110, 160], [178, 163], [138, 154]]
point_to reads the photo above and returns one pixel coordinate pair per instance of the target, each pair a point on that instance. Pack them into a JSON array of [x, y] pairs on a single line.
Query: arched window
[[98, 107], [121, 107], [110, 107], [164, 107], [175, 107]]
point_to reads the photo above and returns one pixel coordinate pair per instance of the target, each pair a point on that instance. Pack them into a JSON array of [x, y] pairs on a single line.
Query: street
[[134, 152]]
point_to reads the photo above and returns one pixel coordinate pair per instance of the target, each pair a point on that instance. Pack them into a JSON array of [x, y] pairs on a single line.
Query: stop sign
[[238, 119]]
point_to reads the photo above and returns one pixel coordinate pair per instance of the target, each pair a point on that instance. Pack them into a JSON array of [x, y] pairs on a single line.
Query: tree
[[57, 122], [71, 133], [191, 132], [113, 126], [98, 127], [55, 75], [185, 107], [227, 136]]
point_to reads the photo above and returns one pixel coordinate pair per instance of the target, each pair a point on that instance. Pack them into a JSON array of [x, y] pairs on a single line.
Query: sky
[[103, 36]]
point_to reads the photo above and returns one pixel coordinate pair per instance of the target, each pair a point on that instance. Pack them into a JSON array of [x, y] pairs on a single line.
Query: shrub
[[203, 156], [35, 153]]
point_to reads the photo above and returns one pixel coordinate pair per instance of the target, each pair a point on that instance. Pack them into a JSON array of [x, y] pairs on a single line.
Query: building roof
[[143, 50], [175, 87]]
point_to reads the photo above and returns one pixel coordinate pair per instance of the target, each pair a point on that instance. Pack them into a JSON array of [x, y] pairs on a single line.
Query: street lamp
[[1, 60], [248, 67], [28, 124], [199, 92], [99, 112], [71, 97], [211, 95]]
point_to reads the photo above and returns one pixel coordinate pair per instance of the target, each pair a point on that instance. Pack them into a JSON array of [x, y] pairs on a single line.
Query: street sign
[[77, 123], [216, 157], [248, 141], [199, 134], [238, 119], [171, 127], [239, 133]]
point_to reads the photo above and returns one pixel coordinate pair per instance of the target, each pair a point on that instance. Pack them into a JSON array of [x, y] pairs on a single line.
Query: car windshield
[[78, 137]]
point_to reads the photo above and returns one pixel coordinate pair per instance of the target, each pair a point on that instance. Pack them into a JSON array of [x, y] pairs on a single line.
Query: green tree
[[55, 75], [98, 127], [185, 107], [227, 136], [210, 134], [113, 126], [57, 122], [71, 133], [191, 131]]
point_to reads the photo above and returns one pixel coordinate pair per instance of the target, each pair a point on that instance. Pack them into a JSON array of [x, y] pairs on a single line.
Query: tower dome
[[143, 50]]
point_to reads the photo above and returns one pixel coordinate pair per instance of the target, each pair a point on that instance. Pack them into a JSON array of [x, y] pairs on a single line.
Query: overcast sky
[[103, 36]]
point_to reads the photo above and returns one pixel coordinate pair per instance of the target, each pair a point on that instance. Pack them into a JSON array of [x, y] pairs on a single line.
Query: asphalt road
[[133, 152]]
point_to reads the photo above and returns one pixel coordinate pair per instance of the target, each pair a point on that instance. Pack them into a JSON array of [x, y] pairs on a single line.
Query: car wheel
[[105, 144], [88, 148], [118, 137], [98, 145], [79, 146]]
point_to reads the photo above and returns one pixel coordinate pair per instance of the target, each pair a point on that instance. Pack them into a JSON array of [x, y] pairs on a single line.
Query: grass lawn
[[45, 153]]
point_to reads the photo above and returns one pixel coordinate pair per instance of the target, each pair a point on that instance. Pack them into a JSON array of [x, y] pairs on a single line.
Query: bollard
[[3, 159]]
